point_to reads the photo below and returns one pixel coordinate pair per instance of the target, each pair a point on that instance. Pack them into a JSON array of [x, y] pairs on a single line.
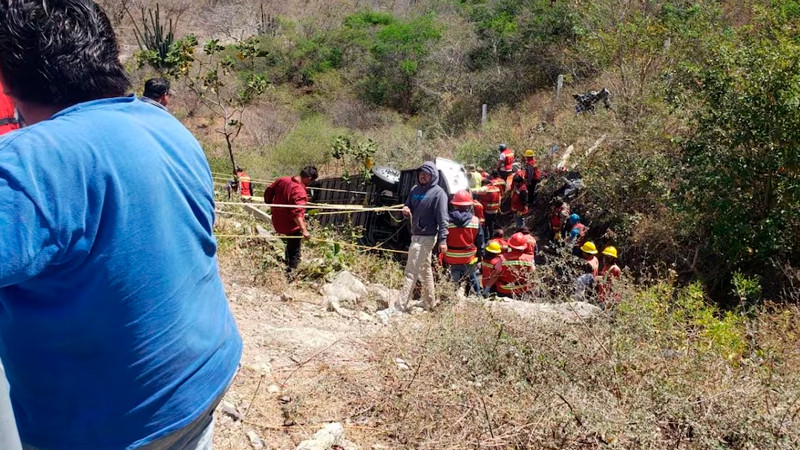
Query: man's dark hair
[[309, 172], [156, 88], [59, 52]]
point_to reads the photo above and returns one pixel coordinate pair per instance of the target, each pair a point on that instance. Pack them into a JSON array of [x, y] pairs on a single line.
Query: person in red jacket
[[513, 276], [490, 198], [290, 221], [464, 241], [8, 114], [505, 165], [532, 175], [531, 248], [245, 190], [491, 258], [519, 200], [559, 217], [610, 272]]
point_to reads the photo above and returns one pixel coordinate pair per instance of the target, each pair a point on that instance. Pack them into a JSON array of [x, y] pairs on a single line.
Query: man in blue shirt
[[114, 326]]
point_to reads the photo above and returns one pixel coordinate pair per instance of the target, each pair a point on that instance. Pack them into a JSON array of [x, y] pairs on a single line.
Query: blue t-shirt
[[114, 325]]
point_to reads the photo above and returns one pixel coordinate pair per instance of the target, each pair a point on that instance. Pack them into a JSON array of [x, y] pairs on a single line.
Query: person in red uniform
[[505, 165], [532, 175], [513, 276], [558, 218], [610, 272], [464, 239], [519, 200], [588, 251], [531, 249], [477, 209], [245, 188], [490, 198], [499, 236], [491, 258], [8, 114], [291, 221]]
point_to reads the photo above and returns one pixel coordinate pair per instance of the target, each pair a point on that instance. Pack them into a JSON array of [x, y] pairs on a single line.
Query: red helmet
[[462, 198], [518, 241]]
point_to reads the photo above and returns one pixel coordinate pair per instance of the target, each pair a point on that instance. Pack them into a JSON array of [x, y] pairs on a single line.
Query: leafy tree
[[741, 187]]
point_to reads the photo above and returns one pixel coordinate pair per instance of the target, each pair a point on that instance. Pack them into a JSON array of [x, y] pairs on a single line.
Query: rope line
[[327, 241], [220, 182]]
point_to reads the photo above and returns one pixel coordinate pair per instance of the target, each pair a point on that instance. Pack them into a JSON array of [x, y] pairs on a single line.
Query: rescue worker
[[559, 217], [490, 198], [288, 221], [532, 175], [519, 200], [513, 276], [531, 249], [477, 209], [473, 177], [499, 236], [426, 206], [491, 258], [464, 241], [505, 165], [157, 92], [577, 233], [245, 189], [610, 272], [584, 283], [499, 182], [588, 252]]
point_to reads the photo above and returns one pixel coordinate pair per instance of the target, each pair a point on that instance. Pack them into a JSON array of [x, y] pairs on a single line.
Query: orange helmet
[[462, 198], [518, 241]]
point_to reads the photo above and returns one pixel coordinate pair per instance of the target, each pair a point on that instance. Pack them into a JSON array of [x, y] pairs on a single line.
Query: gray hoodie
[[428, 206]]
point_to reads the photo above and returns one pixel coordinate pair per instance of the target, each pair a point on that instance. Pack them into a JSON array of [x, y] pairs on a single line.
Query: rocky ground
[[296, 338]]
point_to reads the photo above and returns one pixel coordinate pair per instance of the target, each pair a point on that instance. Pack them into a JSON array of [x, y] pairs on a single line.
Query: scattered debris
[[330, 435], [285, 399], [401, 364], [273, 389], [230, 409], [255, 440], [588, 100]]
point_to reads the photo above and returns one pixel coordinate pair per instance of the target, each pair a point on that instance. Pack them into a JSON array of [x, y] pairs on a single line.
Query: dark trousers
[[293, 251], [491, 225]]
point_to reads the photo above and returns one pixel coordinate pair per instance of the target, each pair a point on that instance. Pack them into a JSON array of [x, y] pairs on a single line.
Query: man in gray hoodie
[[427, 207]]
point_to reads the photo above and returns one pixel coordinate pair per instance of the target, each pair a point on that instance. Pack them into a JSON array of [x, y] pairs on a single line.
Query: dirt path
[[290, 342]]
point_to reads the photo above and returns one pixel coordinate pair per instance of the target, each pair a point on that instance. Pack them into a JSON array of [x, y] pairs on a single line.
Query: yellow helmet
[[589, 248], [529, 153], [610, 251], [494, 247]]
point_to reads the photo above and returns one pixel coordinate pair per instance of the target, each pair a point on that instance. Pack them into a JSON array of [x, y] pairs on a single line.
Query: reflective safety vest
[[581, 233], [461, 247], [507, 157], [500, 184], [244, 184], [477, 209], [491, 200], [531, 173], [487, 267], [517, 204], [8, 117], [560, 213], [516, 275], [531, 248], [475, 179]]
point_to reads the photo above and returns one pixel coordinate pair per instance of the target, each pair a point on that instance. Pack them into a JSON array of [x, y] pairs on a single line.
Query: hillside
[[693, 174]]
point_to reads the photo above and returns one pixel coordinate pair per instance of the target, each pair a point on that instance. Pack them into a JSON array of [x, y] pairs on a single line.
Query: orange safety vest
[[507, 156], [244, 184], [461, 247], [556, 219], [491, 200], [500, 183], [487, 267], [531, 248], [517, 205], [581, 234], [531, 173], [477, 208], [515, 278], [608, 274]]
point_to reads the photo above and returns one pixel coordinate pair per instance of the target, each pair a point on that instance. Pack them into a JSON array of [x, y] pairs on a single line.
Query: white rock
[[401, 364], [330, 435], [255, 440], [345, 287], [230, 409], [273, 389]]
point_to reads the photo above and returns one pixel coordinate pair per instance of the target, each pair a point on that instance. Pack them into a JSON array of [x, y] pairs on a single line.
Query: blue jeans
[[466, 271]]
